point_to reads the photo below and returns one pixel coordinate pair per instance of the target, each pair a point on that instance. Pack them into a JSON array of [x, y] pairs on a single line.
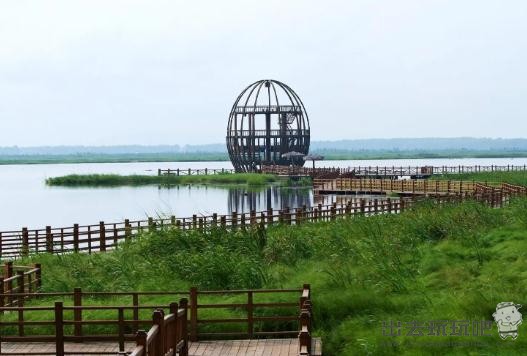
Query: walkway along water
[[357, 171], [104, 236]]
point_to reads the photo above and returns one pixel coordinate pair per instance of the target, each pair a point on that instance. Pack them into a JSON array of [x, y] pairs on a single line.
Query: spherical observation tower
[[268, 125]]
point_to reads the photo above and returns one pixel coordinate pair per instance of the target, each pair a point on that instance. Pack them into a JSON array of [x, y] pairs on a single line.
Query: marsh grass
[[453, 262], [115, 180]]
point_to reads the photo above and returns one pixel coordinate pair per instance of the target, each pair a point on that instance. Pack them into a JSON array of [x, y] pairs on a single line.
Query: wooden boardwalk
[[261, 347], [403, 187]]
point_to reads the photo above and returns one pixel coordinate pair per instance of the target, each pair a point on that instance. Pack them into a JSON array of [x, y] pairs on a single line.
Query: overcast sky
[[167, 72]]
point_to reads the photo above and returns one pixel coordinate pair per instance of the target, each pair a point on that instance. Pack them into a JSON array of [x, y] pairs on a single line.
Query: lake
[[27, 202]]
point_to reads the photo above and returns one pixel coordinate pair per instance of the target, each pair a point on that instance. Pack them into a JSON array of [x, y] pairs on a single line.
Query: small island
[[115, 180]]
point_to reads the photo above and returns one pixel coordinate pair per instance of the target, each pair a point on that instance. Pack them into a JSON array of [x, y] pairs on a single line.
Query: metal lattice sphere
[[267, 120]]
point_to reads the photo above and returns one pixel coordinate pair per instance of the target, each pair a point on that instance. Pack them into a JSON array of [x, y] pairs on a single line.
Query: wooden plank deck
[[261, 347]]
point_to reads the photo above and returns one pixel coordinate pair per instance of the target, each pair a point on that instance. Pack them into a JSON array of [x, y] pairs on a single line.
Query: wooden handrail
[[305, 324], [19, 283], [386, 171], [175, 313], [104, 236]]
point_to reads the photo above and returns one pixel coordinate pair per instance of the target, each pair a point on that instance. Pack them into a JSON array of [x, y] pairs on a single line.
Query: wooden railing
[[168, 335], [266, 313], [374, 171], [305, 341], [134, 303], [105, 236], [19, 280], [194, 172], [386, 171], [413, 186], [61, 324], [254, 309]]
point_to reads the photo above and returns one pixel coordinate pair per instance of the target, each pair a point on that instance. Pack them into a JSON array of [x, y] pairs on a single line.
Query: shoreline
[[361, 156]]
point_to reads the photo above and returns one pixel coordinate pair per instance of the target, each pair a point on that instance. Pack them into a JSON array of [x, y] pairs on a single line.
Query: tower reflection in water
[[243, 200]]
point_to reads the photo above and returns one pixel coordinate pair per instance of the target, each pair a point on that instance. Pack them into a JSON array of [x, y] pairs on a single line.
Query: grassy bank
[[454, 262], [519, 177], [114, 180]]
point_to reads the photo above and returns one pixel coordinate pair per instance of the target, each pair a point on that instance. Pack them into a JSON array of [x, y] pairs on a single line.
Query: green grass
[[519, 177], [114, 180], [454, 262]]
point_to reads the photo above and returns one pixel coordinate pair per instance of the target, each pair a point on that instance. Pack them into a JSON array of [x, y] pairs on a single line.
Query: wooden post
[[2, 297], [77, 313], [193, 314], [8, 273], [120, 318], [89, 239], [298, 216], [173, 307], [223, 221], [62, 240], [20, 301], [102, 236], [304, 335], [214, 220], [306, 289], [59, 329], [150, 224], [127, 230], [362, 206], [76, 237], [262, 220], [158, 318], [242, 221], [234, 221], [183, 304], [135, 311], [140, 340], [25, 242], [250, 321]]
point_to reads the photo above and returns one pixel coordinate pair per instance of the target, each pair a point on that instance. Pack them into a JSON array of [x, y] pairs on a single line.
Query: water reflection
[[27, 201], [244, 200]]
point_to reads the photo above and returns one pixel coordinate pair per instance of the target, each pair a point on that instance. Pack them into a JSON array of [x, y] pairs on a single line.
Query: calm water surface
[[25, 200]]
